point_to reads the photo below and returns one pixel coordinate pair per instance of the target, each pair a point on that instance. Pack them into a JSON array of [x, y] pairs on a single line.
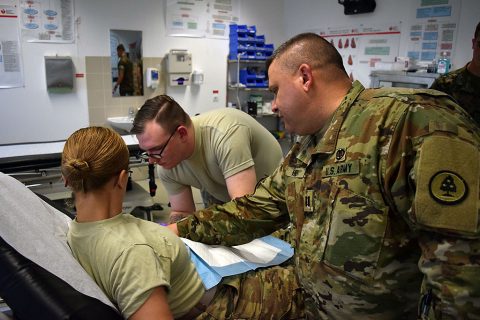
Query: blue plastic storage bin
[[252, 30], [238, 28], [246, 45], [260, 39]]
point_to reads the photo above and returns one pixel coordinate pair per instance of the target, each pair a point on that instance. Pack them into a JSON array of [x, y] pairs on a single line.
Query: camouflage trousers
[[266, 293]]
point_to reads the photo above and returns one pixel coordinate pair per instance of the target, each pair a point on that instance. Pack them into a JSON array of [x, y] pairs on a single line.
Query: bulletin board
[[434, 30], [47, 21], [201, 18], [11, 73], [361, 47]]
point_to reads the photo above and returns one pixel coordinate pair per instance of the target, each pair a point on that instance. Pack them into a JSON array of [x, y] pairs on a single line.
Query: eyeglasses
[[145, 155]]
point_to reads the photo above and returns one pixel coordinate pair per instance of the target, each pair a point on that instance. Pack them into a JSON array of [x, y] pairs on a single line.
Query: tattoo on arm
[[175, 218]]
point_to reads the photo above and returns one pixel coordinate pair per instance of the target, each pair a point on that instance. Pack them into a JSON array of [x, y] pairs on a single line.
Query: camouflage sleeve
[[432, 174], [436, 84], [441, 84], [242, 219]]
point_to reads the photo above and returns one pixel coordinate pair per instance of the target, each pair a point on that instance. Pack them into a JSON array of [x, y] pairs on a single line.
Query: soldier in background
[[381, 194], [223, 152], [464, 84], [125, 73]]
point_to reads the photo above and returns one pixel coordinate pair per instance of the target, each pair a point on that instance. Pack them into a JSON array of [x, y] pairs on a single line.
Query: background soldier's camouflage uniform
[[267, 293], [464, 87], [373, 230]]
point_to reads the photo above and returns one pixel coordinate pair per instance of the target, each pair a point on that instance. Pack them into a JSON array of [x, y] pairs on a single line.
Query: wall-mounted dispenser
[[179, 67], [153, 78], [59, 74], [197, 77]]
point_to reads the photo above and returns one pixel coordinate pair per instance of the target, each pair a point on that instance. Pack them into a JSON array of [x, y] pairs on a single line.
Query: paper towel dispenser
[[59, 74]]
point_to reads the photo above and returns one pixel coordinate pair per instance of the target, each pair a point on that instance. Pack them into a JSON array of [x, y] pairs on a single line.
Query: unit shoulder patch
[[448, 188], [448, 184]]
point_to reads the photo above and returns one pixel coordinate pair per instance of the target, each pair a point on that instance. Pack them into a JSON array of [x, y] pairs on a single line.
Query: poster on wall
[[200, 18], [186, 18], [220, 14], [363, 47], [434, 30], [11, 74], [47, 21]]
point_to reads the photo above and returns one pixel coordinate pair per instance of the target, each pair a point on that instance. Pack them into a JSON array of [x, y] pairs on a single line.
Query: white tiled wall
[[101, 103]]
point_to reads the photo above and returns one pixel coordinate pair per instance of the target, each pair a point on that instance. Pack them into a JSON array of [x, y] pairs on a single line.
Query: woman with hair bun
[[143, 267]]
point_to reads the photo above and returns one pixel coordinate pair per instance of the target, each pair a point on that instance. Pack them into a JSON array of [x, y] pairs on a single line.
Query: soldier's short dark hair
[[164, 110], [308, 48], [477, 30], [121, 47]]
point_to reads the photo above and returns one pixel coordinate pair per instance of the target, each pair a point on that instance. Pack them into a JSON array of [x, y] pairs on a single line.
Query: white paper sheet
[[214, 262]]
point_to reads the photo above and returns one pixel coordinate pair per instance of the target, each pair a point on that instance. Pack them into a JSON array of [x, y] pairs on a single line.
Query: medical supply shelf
[[247, 83], [244, 78], [245, 44], [240, 94], [249, 73]]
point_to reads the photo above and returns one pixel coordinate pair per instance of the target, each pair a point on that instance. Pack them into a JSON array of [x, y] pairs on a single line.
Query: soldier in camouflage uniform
[[381, 194], [464, 84]]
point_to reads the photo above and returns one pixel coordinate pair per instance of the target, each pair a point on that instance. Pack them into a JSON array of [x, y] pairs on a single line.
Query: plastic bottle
[[443, 65], [432, 67]]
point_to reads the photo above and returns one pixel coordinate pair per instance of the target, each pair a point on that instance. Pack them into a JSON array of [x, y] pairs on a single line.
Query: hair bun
[[80, 165]]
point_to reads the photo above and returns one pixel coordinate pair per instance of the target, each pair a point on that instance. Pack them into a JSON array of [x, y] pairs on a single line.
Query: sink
[[121, 124]]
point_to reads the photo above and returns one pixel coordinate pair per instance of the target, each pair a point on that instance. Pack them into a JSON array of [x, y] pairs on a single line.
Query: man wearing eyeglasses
[[224, 152], [464, 84]]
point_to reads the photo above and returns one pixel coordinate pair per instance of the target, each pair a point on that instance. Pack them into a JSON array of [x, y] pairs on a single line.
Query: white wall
[[306, 15], [30, 114], [267, 16]]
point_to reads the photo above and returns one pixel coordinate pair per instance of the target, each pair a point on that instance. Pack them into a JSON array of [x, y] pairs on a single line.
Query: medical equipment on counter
[[443, 65], [37, 165]]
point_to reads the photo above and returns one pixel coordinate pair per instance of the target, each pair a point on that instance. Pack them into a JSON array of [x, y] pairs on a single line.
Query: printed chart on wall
[[47, 20], [434, 30], [362, 47], [11, 74], [200, 18]]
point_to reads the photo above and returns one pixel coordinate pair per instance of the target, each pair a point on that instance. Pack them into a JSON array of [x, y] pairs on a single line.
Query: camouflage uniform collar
[[462, 75], [470, 73], [324, 141]]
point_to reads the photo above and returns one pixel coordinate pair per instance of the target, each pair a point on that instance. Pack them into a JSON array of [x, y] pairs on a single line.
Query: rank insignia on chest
[[448, 188], [340, 154], [308, 205]]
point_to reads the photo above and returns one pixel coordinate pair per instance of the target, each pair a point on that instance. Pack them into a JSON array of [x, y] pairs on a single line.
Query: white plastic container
[[443, 65]]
